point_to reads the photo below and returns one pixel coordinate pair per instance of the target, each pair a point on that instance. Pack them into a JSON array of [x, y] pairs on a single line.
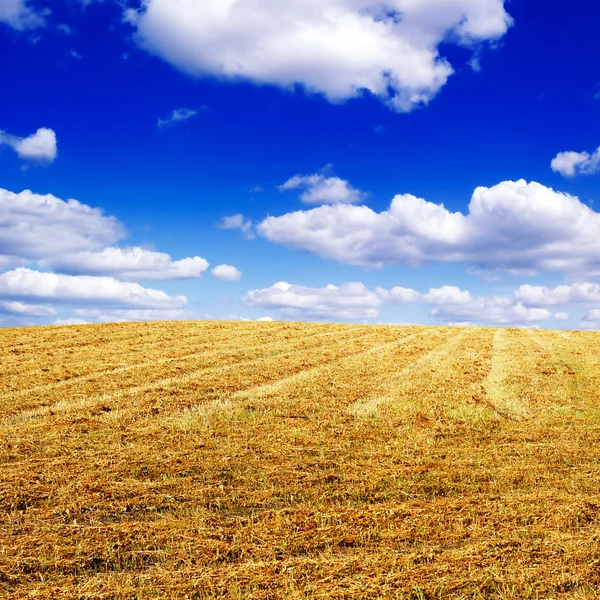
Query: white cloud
[[179, 115], [130, 264], [131, 315], [448, 295], [349, 301], [11, 262], [493, 309], [591, 320], [35, 227], [25, 284], [572, 163], [354, 301], [399, 295], [238, 222], [75, 241], [19, 15], [319, 189], [450, 303], [337, 48], [593, 315], [30, 310], [70, 322], [262, 319], [515, 226], [584, 294], [226, 273], [577, 293], [38, 147], [70, 237]]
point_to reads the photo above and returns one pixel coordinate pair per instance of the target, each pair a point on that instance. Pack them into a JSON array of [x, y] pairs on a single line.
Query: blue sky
[[272, 137]]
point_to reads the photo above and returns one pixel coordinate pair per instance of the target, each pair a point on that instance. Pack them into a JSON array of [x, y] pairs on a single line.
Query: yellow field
[[278, 460]]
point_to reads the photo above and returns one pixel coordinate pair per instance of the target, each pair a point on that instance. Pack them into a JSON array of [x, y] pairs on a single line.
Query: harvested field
[[284, 460]]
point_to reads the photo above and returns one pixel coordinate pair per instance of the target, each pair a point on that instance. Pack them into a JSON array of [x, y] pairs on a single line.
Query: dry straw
[[283, 460]]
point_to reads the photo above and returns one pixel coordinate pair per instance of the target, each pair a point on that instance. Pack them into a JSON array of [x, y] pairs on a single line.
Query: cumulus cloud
[[577, 293], [354, 301], [238, 222], [179, 115], [572, 163], [38, 147], [20, 15], [319, 189], [226, 273], [30, 310], [338, 48], [514, 226], [350, 301], [561, 316], [25, 284], [72, 238], [492, 310], [400, 295], [450, 303], [76, 241], [35, 227], [129, 264]]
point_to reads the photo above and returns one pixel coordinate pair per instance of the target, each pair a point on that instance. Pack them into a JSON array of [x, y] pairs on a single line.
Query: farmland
[[286, 460]]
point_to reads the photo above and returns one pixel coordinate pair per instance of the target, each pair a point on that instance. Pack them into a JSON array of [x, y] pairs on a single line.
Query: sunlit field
[[282, 460]]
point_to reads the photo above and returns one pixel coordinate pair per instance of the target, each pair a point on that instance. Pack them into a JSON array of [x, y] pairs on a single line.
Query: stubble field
[[283, 460]]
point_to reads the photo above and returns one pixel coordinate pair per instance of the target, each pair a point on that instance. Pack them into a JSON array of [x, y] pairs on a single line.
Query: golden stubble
[[288, 460]]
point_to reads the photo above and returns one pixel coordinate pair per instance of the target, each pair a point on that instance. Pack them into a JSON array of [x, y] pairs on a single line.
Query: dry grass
[[259, 460]]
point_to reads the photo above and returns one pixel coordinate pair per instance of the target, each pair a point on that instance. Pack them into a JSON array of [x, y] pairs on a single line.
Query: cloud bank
[[129, 264], [350, 301], [514, 226], [577, 293], [76, 239], [450, 303], [26, 284], [34, 226], [77, 243], [354, 301]]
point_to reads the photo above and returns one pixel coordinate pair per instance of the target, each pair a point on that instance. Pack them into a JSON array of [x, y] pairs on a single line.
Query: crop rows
[[275, 460]]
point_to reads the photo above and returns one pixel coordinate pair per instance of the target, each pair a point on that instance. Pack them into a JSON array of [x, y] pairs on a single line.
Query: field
[[284, 460]]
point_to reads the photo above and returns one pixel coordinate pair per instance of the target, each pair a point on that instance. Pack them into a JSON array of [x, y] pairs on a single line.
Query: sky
[[405, 161]]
